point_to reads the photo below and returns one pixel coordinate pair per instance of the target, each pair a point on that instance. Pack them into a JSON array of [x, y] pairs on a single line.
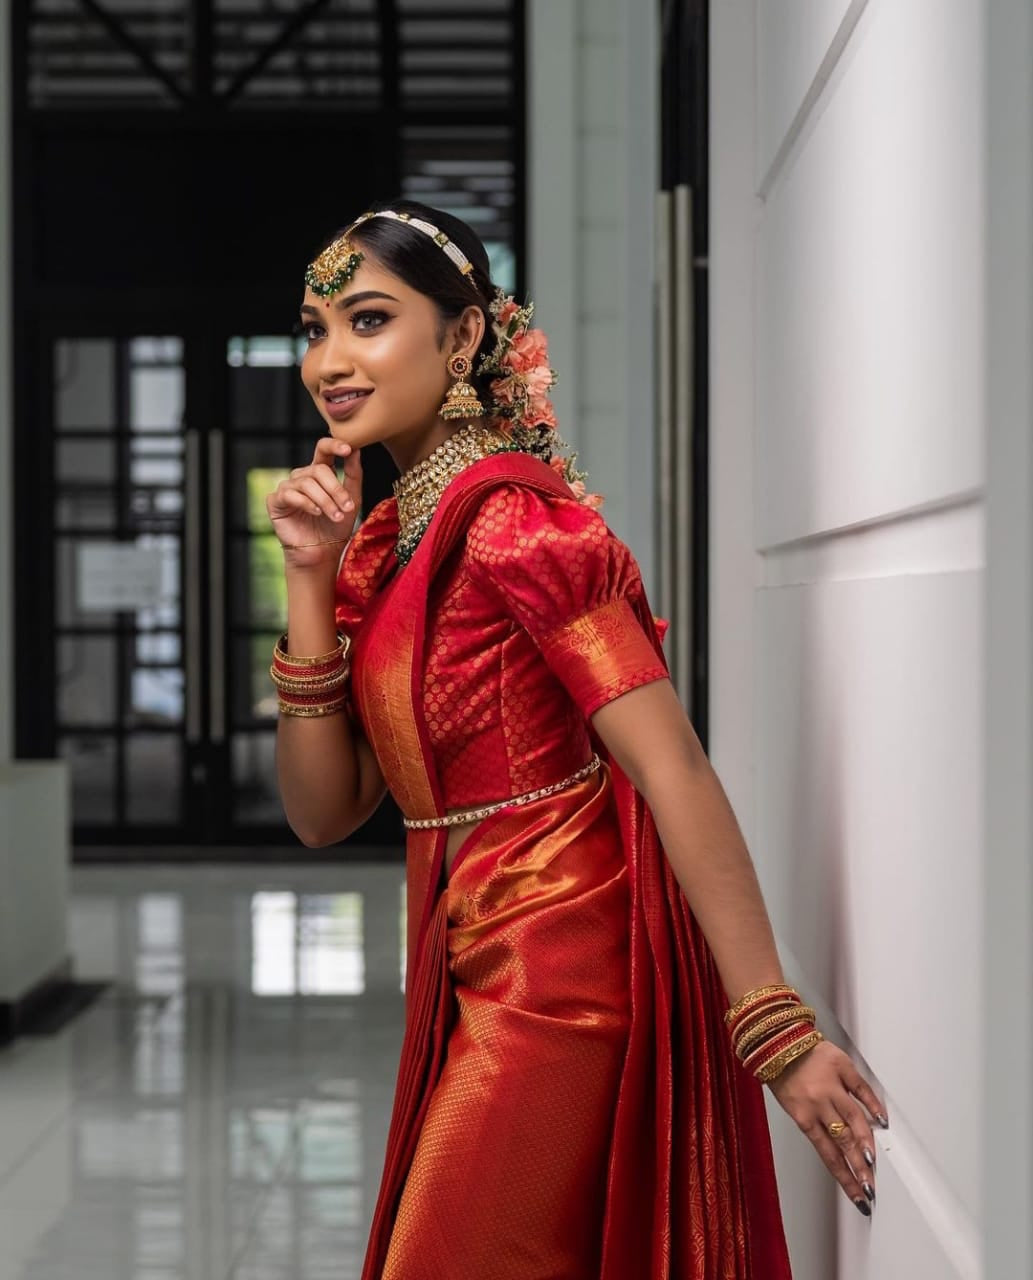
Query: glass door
[[119, 487], [168, 591]]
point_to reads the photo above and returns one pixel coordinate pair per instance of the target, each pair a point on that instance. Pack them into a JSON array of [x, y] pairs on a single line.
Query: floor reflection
[[307, 944], [222, 1110]]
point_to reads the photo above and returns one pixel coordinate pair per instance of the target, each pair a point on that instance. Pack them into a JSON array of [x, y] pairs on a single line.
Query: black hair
[[413, 256]]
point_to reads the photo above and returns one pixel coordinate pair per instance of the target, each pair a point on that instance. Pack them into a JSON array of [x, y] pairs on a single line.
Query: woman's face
[[373, 365]]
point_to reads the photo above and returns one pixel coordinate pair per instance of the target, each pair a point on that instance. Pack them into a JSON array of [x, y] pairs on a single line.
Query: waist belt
[[455, 819]]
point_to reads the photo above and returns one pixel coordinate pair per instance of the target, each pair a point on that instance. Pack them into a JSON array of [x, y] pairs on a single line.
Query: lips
[[341, 394], [344, 400]]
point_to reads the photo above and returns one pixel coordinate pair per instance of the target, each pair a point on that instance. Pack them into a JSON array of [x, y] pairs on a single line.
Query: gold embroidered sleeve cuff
[[602, 654]]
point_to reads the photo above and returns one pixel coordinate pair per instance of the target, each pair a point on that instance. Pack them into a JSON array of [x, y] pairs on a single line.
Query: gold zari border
[[601, 654]]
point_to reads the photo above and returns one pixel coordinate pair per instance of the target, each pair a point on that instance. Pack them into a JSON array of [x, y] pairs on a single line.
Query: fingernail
[[869, 1191], [882, 1120], [869, 1159], [338, 515], [863, 1207]]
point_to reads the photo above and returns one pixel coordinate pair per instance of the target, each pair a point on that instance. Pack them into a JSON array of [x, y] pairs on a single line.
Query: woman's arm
[[329, 778], [653, 741], [330, 782]]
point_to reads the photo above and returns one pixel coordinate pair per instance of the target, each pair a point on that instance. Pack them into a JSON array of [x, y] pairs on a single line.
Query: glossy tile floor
[[221, 1110]]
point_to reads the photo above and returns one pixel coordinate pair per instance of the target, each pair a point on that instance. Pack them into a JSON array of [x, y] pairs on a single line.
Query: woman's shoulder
[[549, 556], [517, 507], [524, 527]]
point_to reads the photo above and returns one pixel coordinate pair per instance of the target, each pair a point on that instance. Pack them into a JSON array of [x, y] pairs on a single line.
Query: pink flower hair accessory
[[519, 400]]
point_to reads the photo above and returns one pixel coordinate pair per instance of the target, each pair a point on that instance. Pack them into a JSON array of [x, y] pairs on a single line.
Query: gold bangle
[[754, 1034], [300, 546], [750, 996], [770, 1070], [314, 710], [304, 660], [773, 1069], [764, 1009], [309, 684], [769, 1049]]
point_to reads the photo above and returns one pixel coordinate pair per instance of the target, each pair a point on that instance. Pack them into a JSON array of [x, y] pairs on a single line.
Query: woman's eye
[[367, 321], [303, 330]]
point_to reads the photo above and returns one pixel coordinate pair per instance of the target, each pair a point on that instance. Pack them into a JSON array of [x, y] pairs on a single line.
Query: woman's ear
[[468, 332]]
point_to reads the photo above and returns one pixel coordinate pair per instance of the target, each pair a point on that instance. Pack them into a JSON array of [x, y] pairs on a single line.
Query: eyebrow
[[342, 304]]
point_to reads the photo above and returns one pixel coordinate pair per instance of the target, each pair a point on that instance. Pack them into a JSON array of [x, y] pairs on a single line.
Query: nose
[[334, 358]]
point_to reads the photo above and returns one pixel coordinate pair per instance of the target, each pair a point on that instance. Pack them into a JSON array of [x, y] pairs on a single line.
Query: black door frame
[[684, 163], [64, 303]]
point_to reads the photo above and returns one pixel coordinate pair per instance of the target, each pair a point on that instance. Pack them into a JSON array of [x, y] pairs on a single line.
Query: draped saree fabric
[[567, 1103]]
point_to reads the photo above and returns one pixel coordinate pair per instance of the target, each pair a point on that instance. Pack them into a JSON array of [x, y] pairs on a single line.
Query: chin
[[357, 434]]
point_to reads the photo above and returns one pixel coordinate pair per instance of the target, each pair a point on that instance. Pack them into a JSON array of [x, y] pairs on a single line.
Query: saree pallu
[[567, 1102]]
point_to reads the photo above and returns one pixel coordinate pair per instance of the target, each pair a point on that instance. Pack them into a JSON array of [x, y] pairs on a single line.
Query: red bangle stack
[[771, 1027], [311, 686]]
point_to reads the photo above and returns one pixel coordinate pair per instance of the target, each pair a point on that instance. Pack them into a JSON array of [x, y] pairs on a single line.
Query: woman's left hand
[[820, 1089]]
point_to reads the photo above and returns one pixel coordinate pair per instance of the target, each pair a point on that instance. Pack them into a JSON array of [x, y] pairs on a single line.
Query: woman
[[575, 1098]]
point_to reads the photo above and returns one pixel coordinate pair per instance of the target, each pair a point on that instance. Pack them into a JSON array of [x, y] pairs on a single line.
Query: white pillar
[[593, 174], [552, 198]]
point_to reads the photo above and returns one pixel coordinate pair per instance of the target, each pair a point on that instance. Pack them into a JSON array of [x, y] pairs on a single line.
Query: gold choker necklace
[[419, 489]]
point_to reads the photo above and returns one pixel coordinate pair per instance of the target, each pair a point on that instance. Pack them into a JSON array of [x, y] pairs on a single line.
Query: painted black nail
[[869, 1159], [882, 1120], [869, 1191], [863, 1207]]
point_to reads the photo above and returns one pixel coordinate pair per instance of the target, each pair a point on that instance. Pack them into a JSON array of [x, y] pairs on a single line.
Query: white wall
[[592, 153], [849, 387], [34, 824]]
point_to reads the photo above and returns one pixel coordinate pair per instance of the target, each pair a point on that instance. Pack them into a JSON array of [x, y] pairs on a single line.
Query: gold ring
[[836, 1128]]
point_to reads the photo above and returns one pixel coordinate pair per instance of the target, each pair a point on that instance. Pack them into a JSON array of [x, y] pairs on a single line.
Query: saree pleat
[[567, 1104], [517, 1129]]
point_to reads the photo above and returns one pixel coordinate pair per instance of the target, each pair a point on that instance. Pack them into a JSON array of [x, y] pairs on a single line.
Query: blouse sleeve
[[572, 584]]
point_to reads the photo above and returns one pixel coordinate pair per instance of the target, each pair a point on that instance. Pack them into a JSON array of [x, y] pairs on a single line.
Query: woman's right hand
[[312, 512]]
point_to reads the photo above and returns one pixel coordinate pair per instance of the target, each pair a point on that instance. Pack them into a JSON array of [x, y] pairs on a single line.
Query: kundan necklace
[[419, 489]]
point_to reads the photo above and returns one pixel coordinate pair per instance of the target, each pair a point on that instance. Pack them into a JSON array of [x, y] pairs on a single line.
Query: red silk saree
[[567, 1103]]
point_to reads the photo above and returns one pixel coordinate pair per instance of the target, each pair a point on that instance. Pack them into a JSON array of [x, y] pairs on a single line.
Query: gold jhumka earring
[[462, 400]]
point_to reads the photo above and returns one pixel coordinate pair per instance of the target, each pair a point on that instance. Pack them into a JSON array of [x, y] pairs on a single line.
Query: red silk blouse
[[531, 630]]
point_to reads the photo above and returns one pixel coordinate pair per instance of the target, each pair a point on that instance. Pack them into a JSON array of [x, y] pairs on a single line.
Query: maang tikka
[[462, 400], [334, 267]]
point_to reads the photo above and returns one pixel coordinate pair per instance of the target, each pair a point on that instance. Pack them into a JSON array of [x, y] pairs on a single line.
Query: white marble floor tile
[[222, 1110]]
